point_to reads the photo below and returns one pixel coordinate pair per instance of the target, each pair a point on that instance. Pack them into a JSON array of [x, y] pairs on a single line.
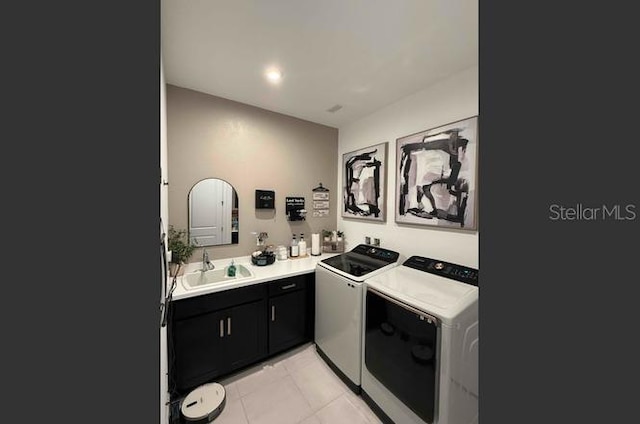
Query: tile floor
[[295, 387]]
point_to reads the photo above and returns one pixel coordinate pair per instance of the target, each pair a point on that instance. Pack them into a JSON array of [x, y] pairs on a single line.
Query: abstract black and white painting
[[436, 181], [364, 183]]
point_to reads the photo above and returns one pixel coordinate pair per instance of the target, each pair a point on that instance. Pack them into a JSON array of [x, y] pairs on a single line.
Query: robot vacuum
[[203, 404]]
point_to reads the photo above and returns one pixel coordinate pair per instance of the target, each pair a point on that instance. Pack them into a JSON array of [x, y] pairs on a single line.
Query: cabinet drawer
[[287, 285], [198, 305]]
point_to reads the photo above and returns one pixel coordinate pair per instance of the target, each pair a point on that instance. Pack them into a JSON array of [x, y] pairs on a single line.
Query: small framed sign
[[320, 204], [295, 208], [321, 196], [265, 199]]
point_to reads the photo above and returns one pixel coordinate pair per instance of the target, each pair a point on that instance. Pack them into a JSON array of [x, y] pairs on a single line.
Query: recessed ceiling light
[[274, 75]]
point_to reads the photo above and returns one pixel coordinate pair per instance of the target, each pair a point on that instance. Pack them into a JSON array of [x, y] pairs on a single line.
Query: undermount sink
[[198, 279]]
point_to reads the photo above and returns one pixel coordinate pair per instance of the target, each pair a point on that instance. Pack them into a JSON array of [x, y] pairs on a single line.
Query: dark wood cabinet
[[244, 340], [287, 320], [198, 350], [213, 335], [291, 312]]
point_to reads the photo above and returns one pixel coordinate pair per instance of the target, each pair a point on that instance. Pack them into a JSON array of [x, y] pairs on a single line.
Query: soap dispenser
[[294, 251], [231, 270], [302, 246]]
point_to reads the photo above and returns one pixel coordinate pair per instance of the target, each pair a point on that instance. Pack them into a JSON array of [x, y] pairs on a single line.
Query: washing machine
[[420, 343], [338, 307]]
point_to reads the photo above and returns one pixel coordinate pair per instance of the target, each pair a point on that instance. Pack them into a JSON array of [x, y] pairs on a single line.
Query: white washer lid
[[202, 401]]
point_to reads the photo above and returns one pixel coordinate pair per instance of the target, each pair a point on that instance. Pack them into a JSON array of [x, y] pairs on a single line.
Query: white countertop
[[275, 271]]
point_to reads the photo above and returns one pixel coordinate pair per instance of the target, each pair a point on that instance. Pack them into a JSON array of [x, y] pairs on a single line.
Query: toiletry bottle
[[231, 270], [294, 251], [302, 246]]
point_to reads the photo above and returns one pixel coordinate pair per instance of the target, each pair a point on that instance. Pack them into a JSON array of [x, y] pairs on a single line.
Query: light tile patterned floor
[[296, 387]]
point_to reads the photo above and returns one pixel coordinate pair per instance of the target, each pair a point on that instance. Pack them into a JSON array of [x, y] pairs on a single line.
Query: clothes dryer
[[420, 343]]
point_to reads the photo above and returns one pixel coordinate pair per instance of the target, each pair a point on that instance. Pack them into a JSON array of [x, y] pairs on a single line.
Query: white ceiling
[[361, 54]]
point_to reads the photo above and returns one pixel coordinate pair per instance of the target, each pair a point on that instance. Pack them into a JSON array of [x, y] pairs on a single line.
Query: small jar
[[281, 253]]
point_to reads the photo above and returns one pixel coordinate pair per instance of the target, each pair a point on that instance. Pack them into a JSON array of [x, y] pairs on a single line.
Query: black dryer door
[[401, 345]]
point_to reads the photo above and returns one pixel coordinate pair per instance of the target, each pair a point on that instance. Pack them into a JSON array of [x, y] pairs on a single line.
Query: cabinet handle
[[290, 286], [273, 312], [221, 328], [229, 326]]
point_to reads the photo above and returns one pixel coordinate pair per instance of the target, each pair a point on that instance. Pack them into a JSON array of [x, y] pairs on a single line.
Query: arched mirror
[[213, 213]]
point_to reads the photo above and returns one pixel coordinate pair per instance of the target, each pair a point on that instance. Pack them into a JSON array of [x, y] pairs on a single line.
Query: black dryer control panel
[[444, 269]]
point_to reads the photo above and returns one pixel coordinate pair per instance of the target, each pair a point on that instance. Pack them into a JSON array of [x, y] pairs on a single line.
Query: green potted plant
[[326, 235], [180, 248]]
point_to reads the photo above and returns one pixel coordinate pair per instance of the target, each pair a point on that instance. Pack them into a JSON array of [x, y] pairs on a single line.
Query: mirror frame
[[217, 229]]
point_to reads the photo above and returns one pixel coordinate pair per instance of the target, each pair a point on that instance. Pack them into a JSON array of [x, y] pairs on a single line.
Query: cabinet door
[[287, 320], [198, 349], [245, 334]]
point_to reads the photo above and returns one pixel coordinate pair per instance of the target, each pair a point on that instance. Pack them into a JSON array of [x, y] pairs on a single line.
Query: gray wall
[[251, 148]]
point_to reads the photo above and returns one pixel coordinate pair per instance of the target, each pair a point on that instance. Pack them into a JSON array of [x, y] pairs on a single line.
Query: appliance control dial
[[439, 265]]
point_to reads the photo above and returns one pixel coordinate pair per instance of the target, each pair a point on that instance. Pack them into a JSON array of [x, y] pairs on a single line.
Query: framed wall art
[[364, 175], [437, 171]]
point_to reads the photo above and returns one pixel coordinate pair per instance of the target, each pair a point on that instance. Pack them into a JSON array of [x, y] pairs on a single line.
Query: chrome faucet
[[206, 264]]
